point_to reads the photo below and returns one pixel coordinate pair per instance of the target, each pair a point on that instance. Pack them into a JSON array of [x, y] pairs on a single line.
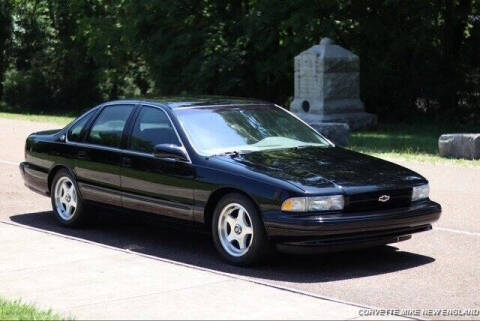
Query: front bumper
[[330, 232]]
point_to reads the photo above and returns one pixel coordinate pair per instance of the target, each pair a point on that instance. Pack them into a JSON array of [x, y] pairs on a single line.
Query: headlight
[[420, 192], [313, 204]]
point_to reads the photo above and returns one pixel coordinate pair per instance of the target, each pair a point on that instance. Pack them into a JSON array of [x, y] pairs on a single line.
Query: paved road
[[89, 281], [436, 269]]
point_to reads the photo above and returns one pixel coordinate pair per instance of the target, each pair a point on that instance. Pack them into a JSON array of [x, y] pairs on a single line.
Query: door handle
[[82, 154], [126, 161]]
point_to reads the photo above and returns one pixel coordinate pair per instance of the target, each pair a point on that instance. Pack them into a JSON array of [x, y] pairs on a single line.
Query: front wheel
[[238, 231]]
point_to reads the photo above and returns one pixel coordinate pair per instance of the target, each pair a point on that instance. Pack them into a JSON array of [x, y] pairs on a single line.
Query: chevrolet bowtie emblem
[[384, 198]]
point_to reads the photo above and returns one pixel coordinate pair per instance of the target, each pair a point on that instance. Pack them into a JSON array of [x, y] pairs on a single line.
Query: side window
[[108, 128], [151, 128], [75, 132]]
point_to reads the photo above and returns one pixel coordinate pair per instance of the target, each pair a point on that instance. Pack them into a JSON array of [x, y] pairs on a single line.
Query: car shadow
[[146, 234]]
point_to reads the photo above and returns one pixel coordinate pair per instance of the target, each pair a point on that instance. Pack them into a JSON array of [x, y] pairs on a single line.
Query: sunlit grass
[[426, 158], [408, 142], [16, 310], [60, 120]]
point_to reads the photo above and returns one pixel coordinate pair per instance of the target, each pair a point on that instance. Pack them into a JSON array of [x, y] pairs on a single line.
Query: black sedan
[[252, 172]]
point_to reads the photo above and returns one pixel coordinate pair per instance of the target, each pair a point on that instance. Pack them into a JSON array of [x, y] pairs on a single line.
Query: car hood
[[314, 168]]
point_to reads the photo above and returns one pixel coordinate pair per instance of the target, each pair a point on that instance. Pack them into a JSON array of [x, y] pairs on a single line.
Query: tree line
[[417, 57]]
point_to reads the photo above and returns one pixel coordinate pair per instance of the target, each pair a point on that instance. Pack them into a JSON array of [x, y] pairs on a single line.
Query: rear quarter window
[[76, 131]]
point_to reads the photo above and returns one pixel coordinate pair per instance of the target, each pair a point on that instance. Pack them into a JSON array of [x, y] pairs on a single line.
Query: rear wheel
[[238, 231], [66, 201]]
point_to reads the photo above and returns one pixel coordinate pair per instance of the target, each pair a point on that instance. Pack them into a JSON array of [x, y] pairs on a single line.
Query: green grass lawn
[[60, 120], [410, 142], [16, 310]]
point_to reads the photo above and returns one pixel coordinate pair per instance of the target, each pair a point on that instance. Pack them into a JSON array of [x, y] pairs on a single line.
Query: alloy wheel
[[65, 198], [235, 229]]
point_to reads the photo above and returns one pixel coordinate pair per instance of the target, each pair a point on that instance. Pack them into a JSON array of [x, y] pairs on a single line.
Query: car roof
[[179, 102]]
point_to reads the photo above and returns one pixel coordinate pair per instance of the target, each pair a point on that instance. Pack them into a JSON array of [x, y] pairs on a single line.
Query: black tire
[[259, 247], [79, 216]]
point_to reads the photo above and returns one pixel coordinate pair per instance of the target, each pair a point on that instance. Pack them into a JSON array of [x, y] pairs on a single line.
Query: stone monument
[[327, 87]]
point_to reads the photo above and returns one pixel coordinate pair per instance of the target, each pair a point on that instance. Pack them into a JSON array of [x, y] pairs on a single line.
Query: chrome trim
[[114, 149], [384, 198], [225, 105], [128, 151]]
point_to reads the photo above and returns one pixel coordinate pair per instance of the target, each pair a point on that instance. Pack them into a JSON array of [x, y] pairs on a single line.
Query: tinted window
[[245, 128], [151, 128], [75, 133], [108, 128]]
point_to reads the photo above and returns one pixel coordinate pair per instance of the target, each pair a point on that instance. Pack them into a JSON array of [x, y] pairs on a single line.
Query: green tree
[[6, 31], [417, 57]]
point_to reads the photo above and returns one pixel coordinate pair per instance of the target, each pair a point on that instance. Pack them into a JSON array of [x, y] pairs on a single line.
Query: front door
[[151, 184]]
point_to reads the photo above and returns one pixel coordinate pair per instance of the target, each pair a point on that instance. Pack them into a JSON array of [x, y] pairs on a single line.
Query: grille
[[369, 201]]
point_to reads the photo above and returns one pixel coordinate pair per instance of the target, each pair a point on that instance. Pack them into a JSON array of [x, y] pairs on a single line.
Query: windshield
[[220, 130]]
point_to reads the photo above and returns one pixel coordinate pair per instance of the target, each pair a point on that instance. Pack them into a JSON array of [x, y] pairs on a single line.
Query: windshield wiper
[[301, 147], [307, 146], [233, 153]]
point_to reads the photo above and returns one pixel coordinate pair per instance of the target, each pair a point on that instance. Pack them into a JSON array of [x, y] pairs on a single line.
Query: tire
[[67, 203], [238, 231]]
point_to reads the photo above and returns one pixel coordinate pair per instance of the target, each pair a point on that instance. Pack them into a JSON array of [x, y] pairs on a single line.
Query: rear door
[[98, 158], [151, 184]]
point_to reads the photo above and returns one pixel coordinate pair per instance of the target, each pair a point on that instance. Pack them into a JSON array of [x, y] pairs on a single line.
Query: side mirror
[[170, 152]]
